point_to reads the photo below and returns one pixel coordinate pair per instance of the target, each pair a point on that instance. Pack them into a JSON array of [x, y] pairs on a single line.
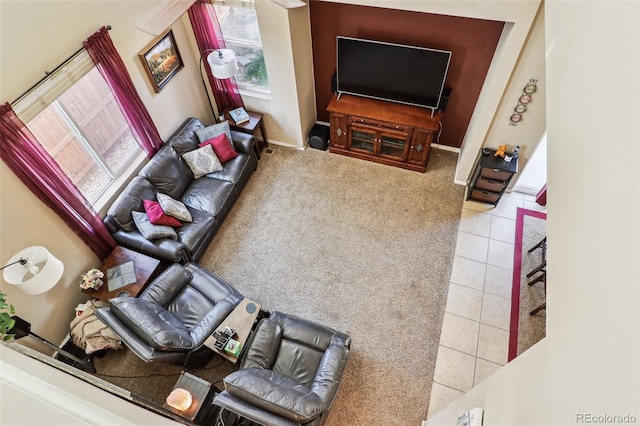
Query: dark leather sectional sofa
[[208, 199]]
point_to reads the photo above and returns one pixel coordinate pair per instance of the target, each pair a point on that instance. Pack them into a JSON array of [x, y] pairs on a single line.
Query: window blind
[[53, 86]]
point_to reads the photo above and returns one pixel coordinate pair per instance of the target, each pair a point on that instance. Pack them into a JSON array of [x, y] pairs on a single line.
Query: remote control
[[222, 337]]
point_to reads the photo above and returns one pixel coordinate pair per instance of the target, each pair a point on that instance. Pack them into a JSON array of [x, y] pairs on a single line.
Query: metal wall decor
[[527, 96]]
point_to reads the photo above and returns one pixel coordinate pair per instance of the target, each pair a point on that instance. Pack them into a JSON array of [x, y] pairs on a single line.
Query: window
[[78, 121], [241, 33]]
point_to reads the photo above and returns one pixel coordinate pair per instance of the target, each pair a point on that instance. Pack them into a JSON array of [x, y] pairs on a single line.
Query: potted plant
[[6, 320]]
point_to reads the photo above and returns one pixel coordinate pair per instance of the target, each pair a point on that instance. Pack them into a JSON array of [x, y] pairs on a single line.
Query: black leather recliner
[[173, 316], [289, 375]]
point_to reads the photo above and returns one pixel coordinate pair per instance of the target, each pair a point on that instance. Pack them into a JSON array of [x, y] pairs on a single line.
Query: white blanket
[[88, 332]]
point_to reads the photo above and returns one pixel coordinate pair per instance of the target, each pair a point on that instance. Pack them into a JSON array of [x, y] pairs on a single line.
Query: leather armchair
[[173, 316], [289, 375]]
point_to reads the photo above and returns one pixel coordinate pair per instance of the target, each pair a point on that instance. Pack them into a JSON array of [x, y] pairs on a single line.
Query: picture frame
[[161, 60]]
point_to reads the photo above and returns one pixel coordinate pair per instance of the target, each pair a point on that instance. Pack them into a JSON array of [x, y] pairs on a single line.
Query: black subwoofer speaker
[[444, 99], [319, 137]]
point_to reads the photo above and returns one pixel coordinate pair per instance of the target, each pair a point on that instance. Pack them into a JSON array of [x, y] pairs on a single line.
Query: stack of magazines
[[121, 275]]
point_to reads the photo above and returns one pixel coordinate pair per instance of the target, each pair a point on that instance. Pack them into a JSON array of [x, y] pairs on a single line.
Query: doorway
[[534, 174]]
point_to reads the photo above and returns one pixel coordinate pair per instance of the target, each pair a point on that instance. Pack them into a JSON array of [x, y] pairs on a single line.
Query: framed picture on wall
[[161, 60]]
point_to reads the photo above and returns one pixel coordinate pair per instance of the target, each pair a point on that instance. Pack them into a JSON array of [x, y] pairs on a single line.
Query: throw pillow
[[215, 130], [157, 216], [202, 161], [174, 207], [221, 147], [151, 231]]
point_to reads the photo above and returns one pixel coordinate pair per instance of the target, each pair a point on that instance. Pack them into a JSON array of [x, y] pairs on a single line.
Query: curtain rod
[[48, 73]]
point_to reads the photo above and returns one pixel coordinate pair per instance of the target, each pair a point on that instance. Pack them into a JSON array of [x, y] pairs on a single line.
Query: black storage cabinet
[[491, 178]]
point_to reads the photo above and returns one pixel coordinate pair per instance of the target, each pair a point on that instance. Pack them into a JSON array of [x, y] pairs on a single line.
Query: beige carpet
[[361, 247]]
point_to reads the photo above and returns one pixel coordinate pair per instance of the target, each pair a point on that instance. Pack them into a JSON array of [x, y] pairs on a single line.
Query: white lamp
[[34, 270], [223, 63]]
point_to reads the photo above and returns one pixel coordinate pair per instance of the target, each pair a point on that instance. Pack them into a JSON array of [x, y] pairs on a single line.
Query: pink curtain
[[24, 155], [206, 29], [110, 64]]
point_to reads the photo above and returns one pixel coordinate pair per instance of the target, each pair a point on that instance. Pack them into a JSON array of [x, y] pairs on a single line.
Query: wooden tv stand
[[385, 132]]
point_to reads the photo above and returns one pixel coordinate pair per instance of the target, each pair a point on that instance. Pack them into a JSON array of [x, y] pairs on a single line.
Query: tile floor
[[475, 331]]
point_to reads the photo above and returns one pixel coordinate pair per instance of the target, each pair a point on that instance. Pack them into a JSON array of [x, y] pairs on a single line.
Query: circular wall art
[[525, 98]]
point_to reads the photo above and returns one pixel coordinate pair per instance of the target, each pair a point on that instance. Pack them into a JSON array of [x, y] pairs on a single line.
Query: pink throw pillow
[[222, 147], [157, 216]]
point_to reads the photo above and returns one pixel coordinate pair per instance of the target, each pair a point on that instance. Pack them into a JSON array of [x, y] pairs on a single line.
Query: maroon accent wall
[[471, 41]]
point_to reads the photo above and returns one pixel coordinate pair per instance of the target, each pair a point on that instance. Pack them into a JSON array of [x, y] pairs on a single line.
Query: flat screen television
[[393, 72]]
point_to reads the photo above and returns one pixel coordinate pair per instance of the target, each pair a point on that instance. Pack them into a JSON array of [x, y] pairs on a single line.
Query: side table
[[256, 121], [241, 319], [201, 410], [146, 269]]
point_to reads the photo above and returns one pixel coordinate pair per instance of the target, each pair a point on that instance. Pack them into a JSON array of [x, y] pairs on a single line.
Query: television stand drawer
[[380, 125]]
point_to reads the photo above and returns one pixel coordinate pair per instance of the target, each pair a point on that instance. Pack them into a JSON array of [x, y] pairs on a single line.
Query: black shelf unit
[[491, 178]]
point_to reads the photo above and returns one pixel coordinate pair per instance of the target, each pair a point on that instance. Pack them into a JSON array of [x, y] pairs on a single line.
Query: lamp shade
[[223, 63], [290, 4], [39, 272]]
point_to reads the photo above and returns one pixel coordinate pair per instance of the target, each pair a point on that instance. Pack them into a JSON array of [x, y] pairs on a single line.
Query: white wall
[[527, 133], [35, 394], [533, 177], [589, 361], [286, 41]]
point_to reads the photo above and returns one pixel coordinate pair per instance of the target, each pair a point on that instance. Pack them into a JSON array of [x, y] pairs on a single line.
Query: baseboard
[[445, 147], [287, 145], [525, 189], [303, 147]]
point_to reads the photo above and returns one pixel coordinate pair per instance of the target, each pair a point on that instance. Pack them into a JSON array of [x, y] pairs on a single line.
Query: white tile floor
[[475, 331]]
